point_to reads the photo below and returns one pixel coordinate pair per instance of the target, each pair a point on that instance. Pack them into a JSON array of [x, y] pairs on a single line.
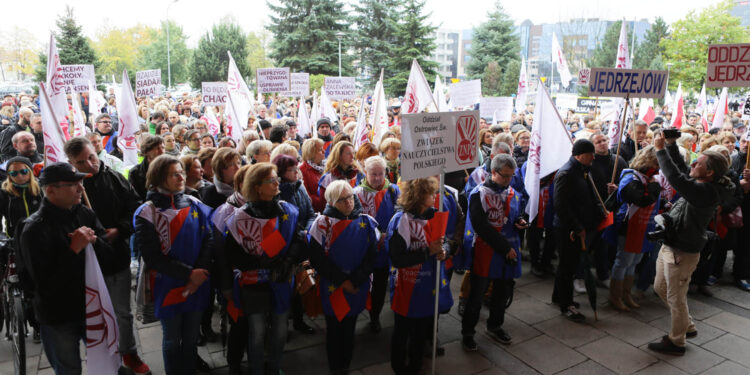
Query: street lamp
[[339, 35], [169, 60]]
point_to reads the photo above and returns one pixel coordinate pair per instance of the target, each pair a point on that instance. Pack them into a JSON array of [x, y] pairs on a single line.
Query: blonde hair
[[387, 143], [414, 192], [333, 159], [34, 188], [254, 177], [309, 147], [644, 159], [284, 149]]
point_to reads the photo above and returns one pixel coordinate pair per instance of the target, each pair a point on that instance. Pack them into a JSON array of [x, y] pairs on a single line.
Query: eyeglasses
[[194, 139], [66, 185], [22, 172], [273, 180], [105, 122], [346, 198], [177, 175]]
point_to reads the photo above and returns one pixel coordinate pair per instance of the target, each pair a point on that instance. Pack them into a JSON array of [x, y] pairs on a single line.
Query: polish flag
[[701, 105], [646, 112], [722, 109], [678, 109], [523, 88], [127, 112]]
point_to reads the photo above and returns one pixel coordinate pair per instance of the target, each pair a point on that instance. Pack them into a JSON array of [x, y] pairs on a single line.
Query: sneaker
[[579, 286], [304, 328], [665, 346], [500, 335], [375, 326], [537, 271], [691, 334], [135, 364], [572, 314], [712, 280], [469, 344], [744, 284]]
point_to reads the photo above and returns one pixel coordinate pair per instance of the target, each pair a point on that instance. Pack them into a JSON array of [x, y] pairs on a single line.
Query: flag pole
[[619, 137], [437, 279]]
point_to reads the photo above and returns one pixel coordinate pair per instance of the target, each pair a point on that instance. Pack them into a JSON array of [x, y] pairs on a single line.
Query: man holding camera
[[685, 226]]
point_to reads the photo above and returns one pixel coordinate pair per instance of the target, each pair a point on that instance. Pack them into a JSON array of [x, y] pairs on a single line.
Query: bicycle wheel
[[18, 328]]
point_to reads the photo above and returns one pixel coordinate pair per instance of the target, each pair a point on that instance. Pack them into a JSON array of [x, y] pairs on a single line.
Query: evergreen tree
[[375, 22], [72, 46], [649, 51], [413, 39], [155, 54], [305, 36], [510, 78], [210, 59], [494, 40], [605, 53], [492, 79]]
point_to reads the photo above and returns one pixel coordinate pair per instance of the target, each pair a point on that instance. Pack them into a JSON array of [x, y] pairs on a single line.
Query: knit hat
[[284, 162], [19, 159], [583, 146], [322, 121]]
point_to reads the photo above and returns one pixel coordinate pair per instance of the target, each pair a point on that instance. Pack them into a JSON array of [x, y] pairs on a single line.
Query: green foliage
[[495, 51], [72, 46], [686, 49], [492, 79], [413, 39], [375, 23], [210, 60], [120, 49], [510, 78], [649, 52], [256, 52], [316, 82], [154, 55], [605, 53], [305, 36]]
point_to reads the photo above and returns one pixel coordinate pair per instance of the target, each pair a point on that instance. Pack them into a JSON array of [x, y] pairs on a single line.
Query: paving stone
[[706, 332], [541, 290], [701, 310], [730, 346], [648, 311], [695, 360], [661, 368], [546, 355], [569, 333], [732, 295], [531, 310], [458, 361], [586, 368], [729, 322], [379, 369], [150, 338], [493, 371], [727, 368], [500, 358], [617, 355], [630, 330]]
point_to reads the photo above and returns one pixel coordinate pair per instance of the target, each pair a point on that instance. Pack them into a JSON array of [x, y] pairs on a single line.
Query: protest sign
[[728, 65], [633, 83], [271, 80], [564, 102], [439, 142], [499, 108], [78, 76], [585, 104], [148, 83], [214, 93], [300, 86], [583, 76], [466, 93], [340, 88]]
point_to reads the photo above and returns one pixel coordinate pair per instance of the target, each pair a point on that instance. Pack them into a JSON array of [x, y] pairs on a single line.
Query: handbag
[[733, 219]]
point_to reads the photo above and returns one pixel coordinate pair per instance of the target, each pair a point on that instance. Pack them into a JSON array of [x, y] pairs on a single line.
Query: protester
[[741, 269], [340, 166], [194, 181], [192, 137], [323, 128], [25, 116], [207, 140], [635, 139], [312, 167], [391, 149], [259, 151], [224, 164], [151, 147]]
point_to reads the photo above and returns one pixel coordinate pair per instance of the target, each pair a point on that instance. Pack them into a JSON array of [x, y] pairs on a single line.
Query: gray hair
[[101, 116], [335, 190], [503, 161], [374, 161], [499, 145], [256, 146], [20, 134]]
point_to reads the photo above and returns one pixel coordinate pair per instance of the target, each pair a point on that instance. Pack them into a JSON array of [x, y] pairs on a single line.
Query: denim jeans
[[257, 324], [180, 342], [118, 285], [648, 271], [625, 262], [61, 345]]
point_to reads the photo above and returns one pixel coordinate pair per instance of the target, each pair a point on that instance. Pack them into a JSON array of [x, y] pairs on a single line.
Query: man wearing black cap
[[265, 127], [577, 214], [292, 134], [52, 244], [323, 127]]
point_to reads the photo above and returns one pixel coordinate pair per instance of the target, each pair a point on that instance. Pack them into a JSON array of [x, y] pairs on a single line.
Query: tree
[[154, 55], [494, 41], [374, 40], [120, 49], [316, 82], [72, 46], [649, 51], [492, 79], [257, 51], [605, 53], [685, 49], [305, 36], [210, 59], [413, 39], [18, 52], [510, 79]]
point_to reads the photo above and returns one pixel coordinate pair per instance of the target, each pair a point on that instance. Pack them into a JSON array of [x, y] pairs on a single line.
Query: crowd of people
[[278, 225]]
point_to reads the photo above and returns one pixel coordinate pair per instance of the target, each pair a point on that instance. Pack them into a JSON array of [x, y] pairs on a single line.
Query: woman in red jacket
[[312, 169]]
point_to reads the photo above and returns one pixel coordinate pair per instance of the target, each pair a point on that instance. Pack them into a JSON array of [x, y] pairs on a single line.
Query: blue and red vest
[[381, 205], [640, 219]]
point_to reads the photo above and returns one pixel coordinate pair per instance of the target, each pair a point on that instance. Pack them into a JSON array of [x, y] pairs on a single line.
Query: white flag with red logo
[[127, 113], [360, 132], [559, 58], [326, 107], [240, 102], [79, 124], [550, 147], [623, 53], [678, 109], [418, 95], [523, 88], [722, 109], [214, 126], [56, 85], [379, 114], [102, 356], [303, 119], [54, 140], [96, 103], [315, 115], [439, 94]]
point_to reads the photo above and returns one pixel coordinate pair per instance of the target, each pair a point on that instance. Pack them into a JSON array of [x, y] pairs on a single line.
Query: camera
[[664, 228], [671, 133]]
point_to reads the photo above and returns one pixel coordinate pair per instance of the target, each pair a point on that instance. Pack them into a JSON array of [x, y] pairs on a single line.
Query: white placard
[[438, 142], [466, 93], [341, 88], [78, 76], [272, 80], [498, 107], [214, 93], [148, 83], [300, 86], [564, 102]]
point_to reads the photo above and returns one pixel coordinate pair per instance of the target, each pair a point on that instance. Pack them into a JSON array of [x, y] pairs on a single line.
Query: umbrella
[[589, 280]]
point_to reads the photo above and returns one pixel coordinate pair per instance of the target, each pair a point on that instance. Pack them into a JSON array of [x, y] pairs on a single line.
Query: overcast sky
[[197, 16]]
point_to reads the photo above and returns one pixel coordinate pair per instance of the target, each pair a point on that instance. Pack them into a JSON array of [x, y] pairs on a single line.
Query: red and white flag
[[550, 147], [79, 124], [303, 119], [360, 132], [559, 58], [702, 102], [54, 140], [55, 85], [523, 88], [127, 113], [212, 122], [722, 109], [617, 127], [326, 107], [646, 112], [418, 95], [96, 103], [379, 114], [240, 102], [102, 356], [678, 108]]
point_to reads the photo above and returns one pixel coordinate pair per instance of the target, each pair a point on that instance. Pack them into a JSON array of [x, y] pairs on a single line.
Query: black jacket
[[627, 149], [295, 193], [57, 273], [137, 177], [520, 155], [114, 201], [601, 171], [15, 209], [576, 205], [6, 144], [482, 226], [211, 196]]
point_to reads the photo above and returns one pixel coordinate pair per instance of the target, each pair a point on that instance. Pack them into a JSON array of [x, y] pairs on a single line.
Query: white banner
[[300, 86], [465, 93], [340, 88], [564, 102], [214, 93], [499, 108], [78, 76], [148, 83], [270, 80], [439, 142]]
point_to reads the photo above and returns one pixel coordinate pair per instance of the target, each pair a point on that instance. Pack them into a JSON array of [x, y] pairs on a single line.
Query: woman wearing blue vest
[[413, 255], [342, 244], [172, 230]]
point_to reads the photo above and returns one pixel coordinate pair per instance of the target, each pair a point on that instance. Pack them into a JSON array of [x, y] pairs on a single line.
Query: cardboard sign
[[438, 142], [583, 76], [499, 108], [466, 93], [148, 83], [564, 102], [341, 88], [300, 86], [78, 77], [633, 83], [728, 65], [214, 93], [270, 80]]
